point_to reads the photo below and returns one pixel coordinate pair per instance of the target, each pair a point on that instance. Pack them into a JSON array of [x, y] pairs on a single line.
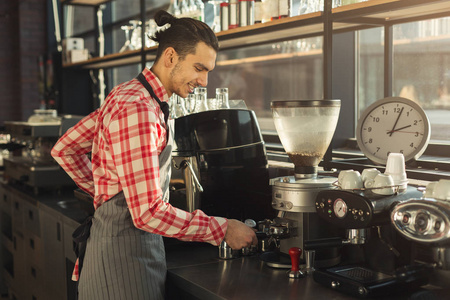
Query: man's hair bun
[[162, 18], [182, 34]]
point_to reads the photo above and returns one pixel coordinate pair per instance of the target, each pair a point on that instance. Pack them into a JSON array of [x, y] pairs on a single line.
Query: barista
[[129, 171]]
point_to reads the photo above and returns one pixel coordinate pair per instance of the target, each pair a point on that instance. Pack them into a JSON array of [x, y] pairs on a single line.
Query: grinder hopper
[[305, 128]]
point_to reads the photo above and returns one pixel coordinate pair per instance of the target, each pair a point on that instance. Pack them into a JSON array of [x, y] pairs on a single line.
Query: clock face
[[393, 125]]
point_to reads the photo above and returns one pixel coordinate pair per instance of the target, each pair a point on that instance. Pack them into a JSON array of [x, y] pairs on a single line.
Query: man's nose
[[203, 79]]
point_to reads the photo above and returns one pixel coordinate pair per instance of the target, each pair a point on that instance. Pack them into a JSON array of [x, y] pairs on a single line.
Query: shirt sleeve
[[71, 150], [135, 136]]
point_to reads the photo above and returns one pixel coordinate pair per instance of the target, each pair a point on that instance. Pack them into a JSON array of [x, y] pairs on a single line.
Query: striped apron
[[121, 261]]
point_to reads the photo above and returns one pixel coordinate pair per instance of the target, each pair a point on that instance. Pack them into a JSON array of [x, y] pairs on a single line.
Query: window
[[289, 70], [421, 69]]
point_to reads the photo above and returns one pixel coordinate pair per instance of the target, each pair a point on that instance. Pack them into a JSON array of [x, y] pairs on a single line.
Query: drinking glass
[[127, 46], [222, 98]]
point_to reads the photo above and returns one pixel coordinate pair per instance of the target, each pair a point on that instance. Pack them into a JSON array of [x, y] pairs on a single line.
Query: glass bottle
[[272, 9], [200, 14], [201, 99], [184, 8], [224, 16], [233, 14], [259, 11], [174, 8], [222, 98], [284, 8], [178, 107]]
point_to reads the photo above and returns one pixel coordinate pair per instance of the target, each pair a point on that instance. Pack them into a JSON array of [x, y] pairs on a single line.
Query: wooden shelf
[[369, 14], [115, 59], [85, 2], [375, 13]]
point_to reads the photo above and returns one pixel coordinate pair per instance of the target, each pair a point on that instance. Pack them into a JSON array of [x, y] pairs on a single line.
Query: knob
[[295, 253]]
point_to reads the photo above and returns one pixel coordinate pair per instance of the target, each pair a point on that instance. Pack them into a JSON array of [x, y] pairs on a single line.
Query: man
[[130, 145]]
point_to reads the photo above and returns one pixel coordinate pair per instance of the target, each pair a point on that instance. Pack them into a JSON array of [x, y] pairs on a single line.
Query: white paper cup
[[395, 167]]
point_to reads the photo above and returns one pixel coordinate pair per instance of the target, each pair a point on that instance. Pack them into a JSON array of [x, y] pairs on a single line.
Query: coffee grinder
[[305, 128]]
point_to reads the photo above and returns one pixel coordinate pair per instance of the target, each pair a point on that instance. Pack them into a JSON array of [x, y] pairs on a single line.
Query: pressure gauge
[[340, 208], [393, 125]]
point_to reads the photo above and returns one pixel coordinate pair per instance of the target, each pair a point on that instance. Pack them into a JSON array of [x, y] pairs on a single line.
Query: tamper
[[295, 272]]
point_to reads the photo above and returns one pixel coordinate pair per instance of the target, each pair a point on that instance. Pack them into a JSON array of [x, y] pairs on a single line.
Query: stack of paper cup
[[395, 167]]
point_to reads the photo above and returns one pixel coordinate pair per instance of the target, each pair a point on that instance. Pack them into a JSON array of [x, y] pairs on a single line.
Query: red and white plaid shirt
[[126, 135]]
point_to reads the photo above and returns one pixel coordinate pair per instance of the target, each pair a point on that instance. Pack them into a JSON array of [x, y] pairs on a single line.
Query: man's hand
[[239, 235]]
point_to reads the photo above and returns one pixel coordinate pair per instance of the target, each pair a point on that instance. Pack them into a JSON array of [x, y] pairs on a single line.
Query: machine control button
[[421, 222], [335, 284], [406, 218], [322, 205], [360, 212], [289, 205], [437, 225]]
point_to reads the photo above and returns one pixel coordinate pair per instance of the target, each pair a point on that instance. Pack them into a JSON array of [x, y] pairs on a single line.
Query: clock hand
[[395, 124], [398, 129]]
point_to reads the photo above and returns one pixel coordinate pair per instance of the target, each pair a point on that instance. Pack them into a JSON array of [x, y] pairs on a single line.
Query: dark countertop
[[197, 272]]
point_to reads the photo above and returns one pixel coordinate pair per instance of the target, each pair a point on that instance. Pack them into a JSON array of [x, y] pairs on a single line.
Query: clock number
[[415, 122], [370, 141], [369, 129], [384, 112], [376, 119], [411, 145], [397, 109], [378, 149], [417, 133], [401, 151]]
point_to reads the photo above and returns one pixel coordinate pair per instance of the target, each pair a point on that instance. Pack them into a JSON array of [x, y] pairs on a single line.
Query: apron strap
[[164, 105], [80, 237]]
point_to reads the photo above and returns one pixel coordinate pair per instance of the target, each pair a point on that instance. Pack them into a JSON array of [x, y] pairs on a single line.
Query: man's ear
[[170, 57]]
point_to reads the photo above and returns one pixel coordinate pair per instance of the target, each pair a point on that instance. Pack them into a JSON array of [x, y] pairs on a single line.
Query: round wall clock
[[393, 125]]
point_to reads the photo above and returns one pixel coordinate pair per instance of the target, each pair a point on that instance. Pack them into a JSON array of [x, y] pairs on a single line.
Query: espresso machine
[[375, 261], [220, 165], [305, 128], [30, 165], [425, 221]]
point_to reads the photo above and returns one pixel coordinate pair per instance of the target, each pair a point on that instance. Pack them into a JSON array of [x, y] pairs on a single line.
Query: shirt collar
[[156, 84]]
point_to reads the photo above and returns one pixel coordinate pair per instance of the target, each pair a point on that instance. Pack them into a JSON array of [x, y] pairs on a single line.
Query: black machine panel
[[352, 210], [216, 129]]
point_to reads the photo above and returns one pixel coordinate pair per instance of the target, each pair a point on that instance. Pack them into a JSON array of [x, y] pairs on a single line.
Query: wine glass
[[127, 46]]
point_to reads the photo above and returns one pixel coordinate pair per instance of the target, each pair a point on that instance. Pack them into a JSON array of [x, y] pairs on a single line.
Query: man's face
[[193, 70]]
